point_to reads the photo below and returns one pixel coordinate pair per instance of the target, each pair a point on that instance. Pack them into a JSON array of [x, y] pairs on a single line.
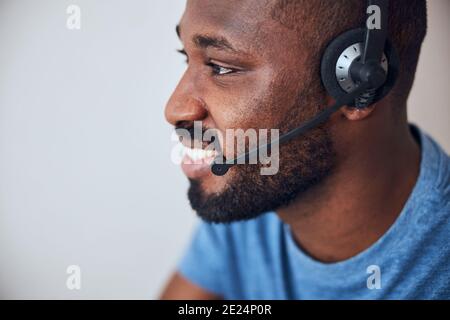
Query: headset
[[358, 69]]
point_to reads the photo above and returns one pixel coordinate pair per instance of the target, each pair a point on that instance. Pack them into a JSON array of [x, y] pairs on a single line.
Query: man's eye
[[219, 70]]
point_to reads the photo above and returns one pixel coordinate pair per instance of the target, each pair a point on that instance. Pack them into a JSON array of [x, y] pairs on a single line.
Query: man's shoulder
[[436, 169], [430, 200]]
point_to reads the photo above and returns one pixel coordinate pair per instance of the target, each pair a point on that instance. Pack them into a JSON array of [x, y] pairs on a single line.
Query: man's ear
[[354, 114]]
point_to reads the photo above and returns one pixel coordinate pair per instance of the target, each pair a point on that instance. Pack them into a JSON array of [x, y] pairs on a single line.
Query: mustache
[[195, 134]]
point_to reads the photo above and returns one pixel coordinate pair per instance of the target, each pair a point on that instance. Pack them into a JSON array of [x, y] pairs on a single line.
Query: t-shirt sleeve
[[204, 263]]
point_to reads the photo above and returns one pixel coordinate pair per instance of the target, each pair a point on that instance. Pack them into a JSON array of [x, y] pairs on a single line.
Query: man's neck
[[358, 203]]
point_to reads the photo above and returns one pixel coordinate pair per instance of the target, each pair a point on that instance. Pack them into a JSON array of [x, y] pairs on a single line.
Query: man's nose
[[185, 105]]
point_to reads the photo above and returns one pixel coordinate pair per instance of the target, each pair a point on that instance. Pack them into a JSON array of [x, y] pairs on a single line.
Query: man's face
[[247, 71]]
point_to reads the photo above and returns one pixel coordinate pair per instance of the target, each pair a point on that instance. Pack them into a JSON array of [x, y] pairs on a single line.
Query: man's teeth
[[198, 154]]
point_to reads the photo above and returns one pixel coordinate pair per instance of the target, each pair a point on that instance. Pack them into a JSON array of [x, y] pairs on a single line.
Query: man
[[360, 206]]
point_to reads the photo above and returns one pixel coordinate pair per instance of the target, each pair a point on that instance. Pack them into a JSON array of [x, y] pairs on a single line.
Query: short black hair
[[320, 21]]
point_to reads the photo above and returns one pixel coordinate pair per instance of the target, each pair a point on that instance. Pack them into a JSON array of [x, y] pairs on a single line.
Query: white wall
[[85, 176], [429, 103], [84, 148]]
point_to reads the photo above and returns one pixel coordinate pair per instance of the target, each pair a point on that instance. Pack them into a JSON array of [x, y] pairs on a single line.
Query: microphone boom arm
[[220, 169]]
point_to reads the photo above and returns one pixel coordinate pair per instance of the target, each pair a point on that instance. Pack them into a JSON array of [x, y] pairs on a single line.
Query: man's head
[[255, 64]]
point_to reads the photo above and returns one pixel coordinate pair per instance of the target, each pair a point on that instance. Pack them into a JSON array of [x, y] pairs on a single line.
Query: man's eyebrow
[[206, 41]]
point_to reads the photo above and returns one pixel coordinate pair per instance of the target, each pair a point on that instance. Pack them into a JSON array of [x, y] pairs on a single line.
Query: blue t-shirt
[[258, 259]]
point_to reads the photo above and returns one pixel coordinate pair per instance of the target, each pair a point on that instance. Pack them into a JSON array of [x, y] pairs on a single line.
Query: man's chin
[[222, 199], [209, 184]]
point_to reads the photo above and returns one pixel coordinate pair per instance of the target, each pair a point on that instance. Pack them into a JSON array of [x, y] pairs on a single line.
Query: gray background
[[85, 170]]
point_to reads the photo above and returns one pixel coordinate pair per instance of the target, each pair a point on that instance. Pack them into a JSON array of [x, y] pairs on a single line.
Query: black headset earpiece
[[336, 68]]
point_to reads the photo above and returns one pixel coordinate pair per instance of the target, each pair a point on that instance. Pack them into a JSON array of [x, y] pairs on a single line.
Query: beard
[[303, 163]]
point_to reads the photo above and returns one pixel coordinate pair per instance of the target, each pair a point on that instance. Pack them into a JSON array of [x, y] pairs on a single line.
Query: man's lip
[[196, 169]]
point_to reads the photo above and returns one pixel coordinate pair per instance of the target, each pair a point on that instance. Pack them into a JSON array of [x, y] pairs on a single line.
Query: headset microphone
[[220, 169], [358, 69]]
